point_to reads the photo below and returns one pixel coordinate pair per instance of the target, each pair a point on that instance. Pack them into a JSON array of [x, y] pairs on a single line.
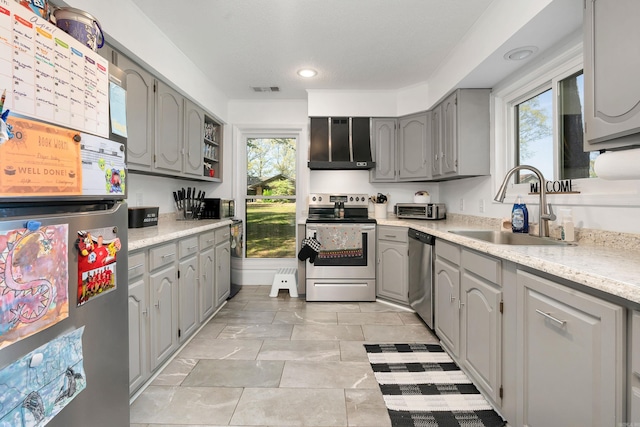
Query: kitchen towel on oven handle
[[309, 250], [340, 241]]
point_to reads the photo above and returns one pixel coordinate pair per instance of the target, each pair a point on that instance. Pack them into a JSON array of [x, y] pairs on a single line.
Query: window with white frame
[[270, 197], [549, 132], [556, 74]]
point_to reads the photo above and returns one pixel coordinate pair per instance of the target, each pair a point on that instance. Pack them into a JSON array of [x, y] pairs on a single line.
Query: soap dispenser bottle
[[519, 217], [567, 228]]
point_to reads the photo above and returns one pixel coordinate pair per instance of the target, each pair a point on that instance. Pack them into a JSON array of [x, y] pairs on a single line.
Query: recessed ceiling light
[[520, 53], [307, 72]]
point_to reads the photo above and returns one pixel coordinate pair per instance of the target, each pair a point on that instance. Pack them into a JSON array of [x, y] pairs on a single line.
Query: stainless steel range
[[344, 268]]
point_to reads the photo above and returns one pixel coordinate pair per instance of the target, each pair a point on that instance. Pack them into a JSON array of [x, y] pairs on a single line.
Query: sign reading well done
[[49, 75], [39, 160]]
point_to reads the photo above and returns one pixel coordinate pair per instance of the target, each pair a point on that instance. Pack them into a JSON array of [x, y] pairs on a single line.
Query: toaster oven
[[421, 210]]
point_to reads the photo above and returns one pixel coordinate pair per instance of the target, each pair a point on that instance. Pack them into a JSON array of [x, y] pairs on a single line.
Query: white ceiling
[[353, 44]]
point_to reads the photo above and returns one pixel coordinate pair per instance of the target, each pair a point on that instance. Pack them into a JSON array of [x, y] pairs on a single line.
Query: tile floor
[[282, 361]]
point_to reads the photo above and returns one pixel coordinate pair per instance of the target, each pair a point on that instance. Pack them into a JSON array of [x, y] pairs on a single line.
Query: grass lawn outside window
[[271, 229]]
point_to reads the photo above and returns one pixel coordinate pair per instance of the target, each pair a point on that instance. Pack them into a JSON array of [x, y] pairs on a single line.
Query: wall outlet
[[481, 206], [461, 204], [139, 201]]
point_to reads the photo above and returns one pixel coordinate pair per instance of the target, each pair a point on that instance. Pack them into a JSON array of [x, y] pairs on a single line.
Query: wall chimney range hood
[[340, 143]]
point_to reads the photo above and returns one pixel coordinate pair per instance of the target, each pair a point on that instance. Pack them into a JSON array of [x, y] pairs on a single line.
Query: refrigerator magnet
[[97, 253]]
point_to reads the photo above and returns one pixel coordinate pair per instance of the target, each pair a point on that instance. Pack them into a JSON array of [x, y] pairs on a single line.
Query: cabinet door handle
[[144, 312], [135, 266], [157, 304], [451, 298], [550, 317], [168, 255], [190, 248]]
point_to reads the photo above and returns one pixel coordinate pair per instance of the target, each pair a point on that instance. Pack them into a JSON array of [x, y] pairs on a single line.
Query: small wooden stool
[[285, 278]]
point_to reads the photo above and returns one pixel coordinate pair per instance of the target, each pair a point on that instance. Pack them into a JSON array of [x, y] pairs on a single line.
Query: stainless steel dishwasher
[[421, 274]]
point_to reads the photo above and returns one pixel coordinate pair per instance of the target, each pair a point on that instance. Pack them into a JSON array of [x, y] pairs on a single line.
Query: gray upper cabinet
[[169, 137], [449, 136], [572, 359], [193, 139], [414, 138], [611, 69], [140, 114], [401, 148], [167, 132], [383, 140], [450, 141], [436, 141], [460, 135]]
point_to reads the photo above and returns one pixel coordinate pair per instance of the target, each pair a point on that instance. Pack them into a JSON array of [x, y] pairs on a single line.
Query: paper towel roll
[[623, 164]]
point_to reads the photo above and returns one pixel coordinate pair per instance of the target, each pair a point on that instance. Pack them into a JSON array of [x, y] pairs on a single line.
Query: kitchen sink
[[509, 238]]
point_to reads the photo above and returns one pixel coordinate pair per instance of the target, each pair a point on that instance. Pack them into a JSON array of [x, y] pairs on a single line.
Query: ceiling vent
[[265, 88]]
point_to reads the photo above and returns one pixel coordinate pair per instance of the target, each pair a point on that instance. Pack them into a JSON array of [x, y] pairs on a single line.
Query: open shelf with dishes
[[212, 149]]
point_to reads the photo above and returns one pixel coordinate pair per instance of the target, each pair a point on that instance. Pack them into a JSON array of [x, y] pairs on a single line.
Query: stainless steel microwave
[[218, 208], [421, 210]]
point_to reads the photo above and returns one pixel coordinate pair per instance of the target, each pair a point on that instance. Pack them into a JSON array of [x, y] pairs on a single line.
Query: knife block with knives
[[188, 204]]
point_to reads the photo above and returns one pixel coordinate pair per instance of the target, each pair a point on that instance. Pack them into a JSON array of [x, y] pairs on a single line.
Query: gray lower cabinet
[[633, 376], [611, 67], [138, 321], [206, 280], [392, 277], [163, 283], [468, 312], [173, 289], [481, 320], [188, 274], [223, 265], [571, 361], [558, 353], [447, 295]]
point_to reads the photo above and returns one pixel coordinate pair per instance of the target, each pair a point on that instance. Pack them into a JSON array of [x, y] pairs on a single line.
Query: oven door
[[343, 276]]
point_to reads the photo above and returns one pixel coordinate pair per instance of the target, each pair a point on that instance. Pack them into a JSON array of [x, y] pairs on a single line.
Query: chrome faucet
[[546, 212]]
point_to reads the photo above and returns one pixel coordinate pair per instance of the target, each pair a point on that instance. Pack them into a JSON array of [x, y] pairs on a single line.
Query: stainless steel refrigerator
[[63, 289]]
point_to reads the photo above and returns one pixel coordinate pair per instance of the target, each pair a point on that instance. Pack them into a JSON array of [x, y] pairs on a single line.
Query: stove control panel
[[328, 200]]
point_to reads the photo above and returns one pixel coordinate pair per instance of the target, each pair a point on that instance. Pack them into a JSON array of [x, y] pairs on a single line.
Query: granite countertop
[[612, 270], [169, 228]]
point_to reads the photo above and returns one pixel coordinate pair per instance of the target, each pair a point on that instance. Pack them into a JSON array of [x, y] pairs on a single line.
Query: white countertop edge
[[167, 230]]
